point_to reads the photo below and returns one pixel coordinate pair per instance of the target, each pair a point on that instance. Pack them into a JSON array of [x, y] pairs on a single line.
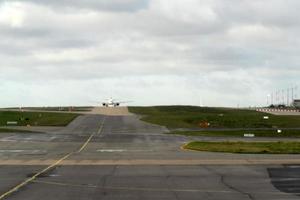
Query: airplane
[[113, 103]]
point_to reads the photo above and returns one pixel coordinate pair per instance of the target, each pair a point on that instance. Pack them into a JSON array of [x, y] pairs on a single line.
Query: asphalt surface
[[120, 157]]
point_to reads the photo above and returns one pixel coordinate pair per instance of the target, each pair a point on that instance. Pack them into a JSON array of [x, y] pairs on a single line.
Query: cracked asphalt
[[130, 159]]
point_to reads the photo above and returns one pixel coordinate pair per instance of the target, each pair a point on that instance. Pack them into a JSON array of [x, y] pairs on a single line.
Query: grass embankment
[[64, 109], [192, 116], [36, 118], [247, 147], [257, 133]]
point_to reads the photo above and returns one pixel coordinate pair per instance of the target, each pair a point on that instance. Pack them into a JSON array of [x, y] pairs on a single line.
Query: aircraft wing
[[124, 101]]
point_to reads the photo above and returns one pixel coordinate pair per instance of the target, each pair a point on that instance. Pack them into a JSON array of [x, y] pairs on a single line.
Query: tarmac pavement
[[120, 157]]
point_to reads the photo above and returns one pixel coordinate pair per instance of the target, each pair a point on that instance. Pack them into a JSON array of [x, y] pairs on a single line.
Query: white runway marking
[[119, 150], [27, 139], [54, 175], [11, 151], [110, 150], [294, 166], [20, 151]]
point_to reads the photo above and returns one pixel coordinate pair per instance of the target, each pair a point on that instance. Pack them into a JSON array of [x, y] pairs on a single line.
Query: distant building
[[296, 103]]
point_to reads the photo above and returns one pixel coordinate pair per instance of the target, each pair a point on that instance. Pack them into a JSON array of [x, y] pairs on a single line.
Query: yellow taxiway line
[[32, 178], [89, 139]]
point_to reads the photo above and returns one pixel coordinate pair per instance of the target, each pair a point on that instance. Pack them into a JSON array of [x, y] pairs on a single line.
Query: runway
[[120, 157]]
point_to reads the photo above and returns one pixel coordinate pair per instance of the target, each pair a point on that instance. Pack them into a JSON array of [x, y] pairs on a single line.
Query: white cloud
[[255, 32], [189, 11], [170, 50], [102, 5], [12, 14]]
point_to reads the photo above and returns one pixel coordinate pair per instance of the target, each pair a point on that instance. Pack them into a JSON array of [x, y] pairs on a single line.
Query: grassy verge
[[257, 133], [247, 147], [192, 116], [36, 118], [70, 108]]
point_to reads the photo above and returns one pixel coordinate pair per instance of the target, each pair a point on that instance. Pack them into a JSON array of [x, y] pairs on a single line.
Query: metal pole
[[282, 95], [272, 98], [287, 96]]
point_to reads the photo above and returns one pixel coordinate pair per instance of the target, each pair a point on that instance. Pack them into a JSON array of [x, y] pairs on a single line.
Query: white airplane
[[113, 103]]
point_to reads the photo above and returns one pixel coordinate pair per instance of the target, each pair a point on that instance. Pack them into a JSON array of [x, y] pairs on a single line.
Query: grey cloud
[[24, 32], [256, 11], [244, 46], [102, 5], [70, 43]]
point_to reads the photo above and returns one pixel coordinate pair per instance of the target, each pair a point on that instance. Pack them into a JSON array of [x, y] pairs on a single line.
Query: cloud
[[11, 14], [101, 5], [213, 48]]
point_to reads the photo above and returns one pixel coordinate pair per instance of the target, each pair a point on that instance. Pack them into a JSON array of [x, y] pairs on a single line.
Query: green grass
[[192, 116], [246, 147], [36, 118], [238, 133], [78, 109]]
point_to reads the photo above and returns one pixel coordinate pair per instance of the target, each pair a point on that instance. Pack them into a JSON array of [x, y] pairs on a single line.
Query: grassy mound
[[36, 118], [192, 116], [246, 147], [239, 133], [66, 109]]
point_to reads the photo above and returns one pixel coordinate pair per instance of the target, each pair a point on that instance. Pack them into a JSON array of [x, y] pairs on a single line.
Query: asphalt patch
[[286, 179]]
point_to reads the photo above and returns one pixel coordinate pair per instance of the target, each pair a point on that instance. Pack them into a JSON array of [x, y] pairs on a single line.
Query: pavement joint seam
[[152, 189], [127, 188], [137, 162], [32, 178]]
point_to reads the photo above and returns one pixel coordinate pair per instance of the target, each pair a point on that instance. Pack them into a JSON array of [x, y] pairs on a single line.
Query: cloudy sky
[[210, 52]]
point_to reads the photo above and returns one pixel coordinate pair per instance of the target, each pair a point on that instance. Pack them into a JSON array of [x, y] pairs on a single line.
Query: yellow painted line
[[89, 139], [16, 188], [101, 126], [183, 148], [86, 143]]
